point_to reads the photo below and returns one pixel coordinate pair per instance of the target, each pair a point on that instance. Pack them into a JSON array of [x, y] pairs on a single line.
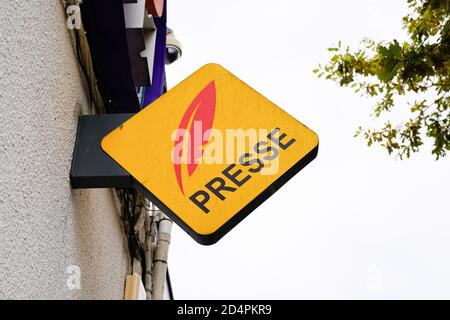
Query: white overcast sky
[[355, 223]]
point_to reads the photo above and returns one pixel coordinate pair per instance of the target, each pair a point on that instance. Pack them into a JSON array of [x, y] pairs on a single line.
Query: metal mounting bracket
[[91, 166]]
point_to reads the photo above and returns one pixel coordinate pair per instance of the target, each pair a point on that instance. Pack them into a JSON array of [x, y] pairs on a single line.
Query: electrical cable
[[85, 60], [83, 68], [169, 285], [131, 210]]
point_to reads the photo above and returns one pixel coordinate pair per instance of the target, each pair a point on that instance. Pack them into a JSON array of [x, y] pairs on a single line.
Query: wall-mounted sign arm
[[91, 166]]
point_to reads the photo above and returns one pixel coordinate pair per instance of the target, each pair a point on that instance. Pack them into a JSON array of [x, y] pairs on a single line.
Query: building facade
[[55, 242]]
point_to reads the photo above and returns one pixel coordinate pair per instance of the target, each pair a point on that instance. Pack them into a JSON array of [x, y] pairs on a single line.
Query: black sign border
[[212, 238]]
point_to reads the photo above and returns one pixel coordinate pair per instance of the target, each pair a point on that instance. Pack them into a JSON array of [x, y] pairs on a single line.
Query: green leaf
[[396, 51]]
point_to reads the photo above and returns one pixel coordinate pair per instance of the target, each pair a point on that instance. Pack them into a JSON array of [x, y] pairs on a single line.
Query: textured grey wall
[[45, 226]]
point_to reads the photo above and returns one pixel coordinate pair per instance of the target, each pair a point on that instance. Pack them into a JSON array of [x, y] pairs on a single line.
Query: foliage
[[417, 69]]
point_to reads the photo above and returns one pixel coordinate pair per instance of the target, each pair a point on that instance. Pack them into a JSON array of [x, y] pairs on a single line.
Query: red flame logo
[[201, 110]]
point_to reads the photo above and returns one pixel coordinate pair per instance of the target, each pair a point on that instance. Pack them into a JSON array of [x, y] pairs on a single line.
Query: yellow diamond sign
[[210, 151]]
